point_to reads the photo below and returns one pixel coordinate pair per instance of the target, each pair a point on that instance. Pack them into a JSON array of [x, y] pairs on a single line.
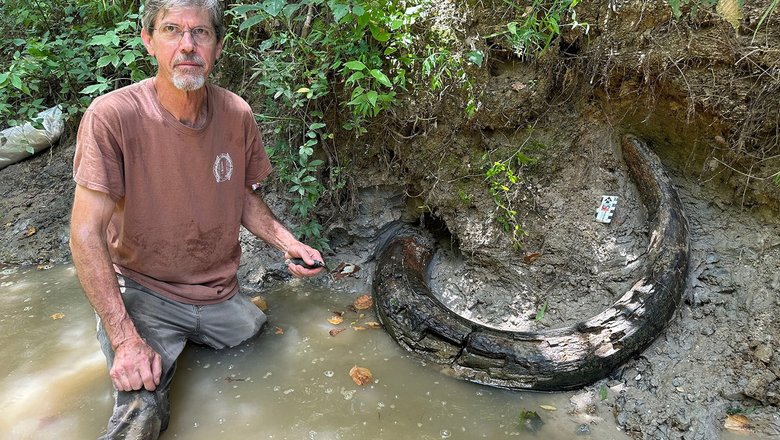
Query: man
[[166, 171]]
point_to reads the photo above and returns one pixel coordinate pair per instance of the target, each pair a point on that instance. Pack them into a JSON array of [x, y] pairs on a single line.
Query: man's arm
[[261, 221], [136, 365]]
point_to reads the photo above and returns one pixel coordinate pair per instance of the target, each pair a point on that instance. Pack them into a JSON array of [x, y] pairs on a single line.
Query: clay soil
[[703, 94]]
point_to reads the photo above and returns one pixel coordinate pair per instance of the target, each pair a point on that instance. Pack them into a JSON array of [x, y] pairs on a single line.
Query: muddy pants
[[166, 326]]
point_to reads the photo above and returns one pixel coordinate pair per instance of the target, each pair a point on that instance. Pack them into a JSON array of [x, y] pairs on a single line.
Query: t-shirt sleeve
[[97, 163], [258, 164]]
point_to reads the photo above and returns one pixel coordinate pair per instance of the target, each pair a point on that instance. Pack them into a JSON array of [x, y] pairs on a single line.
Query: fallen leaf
[[517, 86], [279, 331], [359, 327], [344, 270], [260, 302], [530, 258], [336, 331], [363, 302], [373, 324], [737, 422], [44, 266], [57, 315], [361, 375], [548, 407], [335, 319], [31, 230]]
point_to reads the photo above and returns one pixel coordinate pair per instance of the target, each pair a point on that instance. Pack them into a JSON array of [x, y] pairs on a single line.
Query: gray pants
[[166, 326]]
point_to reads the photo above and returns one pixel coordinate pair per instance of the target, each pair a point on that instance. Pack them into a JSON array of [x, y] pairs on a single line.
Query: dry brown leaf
[[530, 258], [336, 331], [57, 315], [363, 302], [260, 302], [730, 11], [361, 375], [359, 327], [31, 230], [279, 331], [373, 324], [737, 422], [335, 319]]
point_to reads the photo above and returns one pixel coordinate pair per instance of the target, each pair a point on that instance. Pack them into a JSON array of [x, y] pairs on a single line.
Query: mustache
[[189, 58]]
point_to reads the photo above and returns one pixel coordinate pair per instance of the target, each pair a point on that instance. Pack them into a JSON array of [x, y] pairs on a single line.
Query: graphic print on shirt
[[223, 167]]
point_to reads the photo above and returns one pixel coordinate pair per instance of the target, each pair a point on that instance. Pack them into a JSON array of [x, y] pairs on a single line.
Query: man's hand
[[136, 366], [308, 255]]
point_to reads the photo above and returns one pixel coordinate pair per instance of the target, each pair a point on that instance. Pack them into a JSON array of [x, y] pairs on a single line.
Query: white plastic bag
[[17, 142]]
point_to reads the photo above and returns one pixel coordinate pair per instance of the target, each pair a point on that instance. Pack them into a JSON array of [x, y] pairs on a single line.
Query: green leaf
[[94, 88], [512, 28], [3, 78], [379, 33], [540, 313], [355, 65], [339, 11], [273, 7], [381, 77], [17, 82], [251, 21], [372, 96], [476, 57], [243, 9], [316, 126], [358, 10], [129, 58], [290, 9], [396, 24]]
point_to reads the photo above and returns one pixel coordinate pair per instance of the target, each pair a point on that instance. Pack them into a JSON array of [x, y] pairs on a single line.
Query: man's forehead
[[179, 13]]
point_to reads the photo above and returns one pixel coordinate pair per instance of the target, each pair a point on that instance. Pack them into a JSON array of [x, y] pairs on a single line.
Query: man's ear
[[147, 40]]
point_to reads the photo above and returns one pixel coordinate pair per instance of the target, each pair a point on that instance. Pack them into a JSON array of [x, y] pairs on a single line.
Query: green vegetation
[[540, 24], [65, 52], [314, 70]]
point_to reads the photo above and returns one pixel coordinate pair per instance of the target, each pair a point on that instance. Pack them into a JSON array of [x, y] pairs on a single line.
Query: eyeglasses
[[174, 33]]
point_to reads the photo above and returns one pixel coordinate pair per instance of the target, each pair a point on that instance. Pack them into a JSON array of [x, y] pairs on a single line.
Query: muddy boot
[[138, 415]]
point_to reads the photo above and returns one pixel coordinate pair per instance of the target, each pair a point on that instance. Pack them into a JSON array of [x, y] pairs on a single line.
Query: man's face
[[185, 46]]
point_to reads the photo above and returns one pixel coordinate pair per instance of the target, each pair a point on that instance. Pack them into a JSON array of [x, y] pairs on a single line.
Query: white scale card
[[606, 209]]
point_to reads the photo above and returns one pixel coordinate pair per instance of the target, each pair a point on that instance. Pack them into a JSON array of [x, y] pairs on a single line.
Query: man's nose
[[187, 42]]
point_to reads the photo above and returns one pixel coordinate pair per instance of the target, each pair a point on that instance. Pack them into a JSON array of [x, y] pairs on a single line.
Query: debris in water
[[361, 375], [260, 302], [737, 422], [363, 302], [530, 421], [548, 407], [279, 331], [336, 331], [336, 319], [57, 315]]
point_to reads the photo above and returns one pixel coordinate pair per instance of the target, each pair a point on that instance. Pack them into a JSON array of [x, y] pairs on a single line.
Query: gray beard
[[188, 82]]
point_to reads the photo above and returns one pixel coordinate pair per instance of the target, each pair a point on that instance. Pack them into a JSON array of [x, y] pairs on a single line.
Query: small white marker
[[606, 209]]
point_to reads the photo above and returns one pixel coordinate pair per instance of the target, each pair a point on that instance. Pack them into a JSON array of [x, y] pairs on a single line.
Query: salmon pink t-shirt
[[179, 191]]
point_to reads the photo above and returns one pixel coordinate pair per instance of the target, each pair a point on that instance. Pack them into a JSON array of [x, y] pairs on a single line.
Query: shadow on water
[[291, 382]]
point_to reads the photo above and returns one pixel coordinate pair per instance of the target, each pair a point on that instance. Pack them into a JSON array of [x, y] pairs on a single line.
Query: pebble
[[583, 429]]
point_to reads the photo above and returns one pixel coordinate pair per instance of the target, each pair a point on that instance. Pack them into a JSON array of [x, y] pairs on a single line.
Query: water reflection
[[291, 382]]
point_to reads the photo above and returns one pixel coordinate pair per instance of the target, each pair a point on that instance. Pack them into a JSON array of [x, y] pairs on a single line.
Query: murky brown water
[[287, 384]]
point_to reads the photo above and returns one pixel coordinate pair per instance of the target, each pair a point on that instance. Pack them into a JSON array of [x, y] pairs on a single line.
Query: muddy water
[[292, 382]]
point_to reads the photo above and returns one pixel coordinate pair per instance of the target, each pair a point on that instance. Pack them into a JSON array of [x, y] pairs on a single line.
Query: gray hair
[[154, 8]]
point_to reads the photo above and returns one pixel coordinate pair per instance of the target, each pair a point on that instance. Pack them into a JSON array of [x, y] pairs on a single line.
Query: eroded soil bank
[[702, 94]]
